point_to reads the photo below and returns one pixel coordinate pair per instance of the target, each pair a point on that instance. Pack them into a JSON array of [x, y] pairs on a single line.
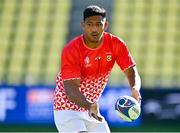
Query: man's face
[[94, 27]]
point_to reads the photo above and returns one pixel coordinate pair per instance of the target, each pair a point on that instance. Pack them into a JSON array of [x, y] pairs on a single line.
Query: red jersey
[[92, 66]]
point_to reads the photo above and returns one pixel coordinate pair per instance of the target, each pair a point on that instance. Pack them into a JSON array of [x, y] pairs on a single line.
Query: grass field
[[149, 127]]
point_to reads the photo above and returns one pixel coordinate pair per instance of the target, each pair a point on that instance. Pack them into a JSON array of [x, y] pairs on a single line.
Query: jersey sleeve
[[123, 57], [70, 66]]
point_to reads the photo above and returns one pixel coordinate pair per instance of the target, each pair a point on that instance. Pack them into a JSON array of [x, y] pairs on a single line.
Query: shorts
[[74, 121]]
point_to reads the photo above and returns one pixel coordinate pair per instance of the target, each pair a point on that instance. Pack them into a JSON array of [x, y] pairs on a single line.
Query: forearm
[[73, 93], [133, 78], [135, 81]]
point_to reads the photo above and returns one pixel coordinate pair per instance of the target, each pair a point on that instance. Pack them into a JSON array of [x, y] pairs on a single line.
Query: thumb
[[99, 118]]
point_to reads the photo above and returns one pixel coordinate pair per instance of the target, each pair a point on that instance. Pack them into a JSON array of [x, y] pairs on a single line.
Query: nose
[[94, 28]]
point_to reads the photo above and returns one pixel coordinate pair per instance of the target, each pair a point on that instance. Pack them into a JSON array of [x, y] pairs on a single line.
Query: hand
[[93, 111], [136, 94]]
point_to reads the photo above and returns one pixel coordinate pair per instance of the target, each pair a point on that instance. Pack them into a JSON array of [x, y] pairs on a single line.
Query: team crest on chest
[[109, 57]]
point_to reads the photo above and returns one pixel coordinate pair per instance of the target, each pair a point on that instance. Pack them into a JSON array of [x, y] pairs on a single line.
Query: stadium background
[[33, 32]]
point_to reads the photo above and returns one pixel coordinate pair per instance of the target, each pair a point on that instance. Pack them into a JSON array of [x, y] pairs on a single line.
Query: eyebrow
[[90, 21]]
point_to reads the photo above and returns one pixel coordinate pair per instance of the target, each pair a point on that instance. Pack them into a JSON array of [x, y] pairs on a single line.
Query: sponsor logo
[[86, 60], [7, 102], [98, 58]]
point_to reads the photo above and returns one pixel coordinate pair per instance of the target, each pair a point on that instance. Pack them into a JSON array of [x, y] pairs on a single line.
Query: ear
[[82, 25], [106, 25]]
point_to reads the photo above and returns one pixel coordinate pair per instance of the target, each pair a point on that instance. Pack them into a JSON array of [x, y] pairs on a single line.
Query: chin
[[95, 41]]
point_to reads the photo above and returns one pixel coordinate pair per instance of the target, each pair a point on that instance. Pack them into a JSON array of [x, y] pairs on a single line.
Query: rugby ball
[[127, 108]]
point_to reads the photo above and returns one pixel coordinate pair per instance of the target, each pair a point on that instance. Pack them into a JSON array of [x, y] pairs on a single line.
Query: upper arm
[[70, 69], [70, 64], [123, 57], [131, 71]]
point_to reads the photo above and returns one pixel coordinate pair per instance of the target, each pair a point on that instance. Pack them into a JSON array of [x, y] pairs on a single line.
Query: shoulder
[[73, 45], [114, 39]]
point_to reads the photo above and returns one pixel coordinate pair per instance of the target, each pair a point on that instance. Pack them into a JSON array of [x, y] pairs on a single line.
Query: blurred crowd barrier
[[34, 104], [33, 33]]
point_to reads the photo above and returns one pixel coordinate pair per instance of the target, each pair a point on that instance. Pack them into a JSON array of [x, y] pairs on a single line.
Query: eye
[[89, 24], [99, 24]]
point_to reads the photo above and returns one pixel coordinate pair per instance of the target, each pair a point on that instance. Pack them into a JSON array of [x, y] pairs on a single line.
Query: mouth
[[95, 35]]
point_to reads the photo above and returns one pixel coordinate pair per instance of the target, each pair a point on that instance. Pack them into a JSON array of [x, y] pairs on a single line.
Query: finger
[[100, 118], [97, 117], [139, 100], [90, 114]]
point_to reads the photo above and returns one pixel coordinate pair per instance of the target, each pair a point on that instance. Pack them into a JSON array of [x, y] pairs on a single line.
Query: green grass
[[149, 127]]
